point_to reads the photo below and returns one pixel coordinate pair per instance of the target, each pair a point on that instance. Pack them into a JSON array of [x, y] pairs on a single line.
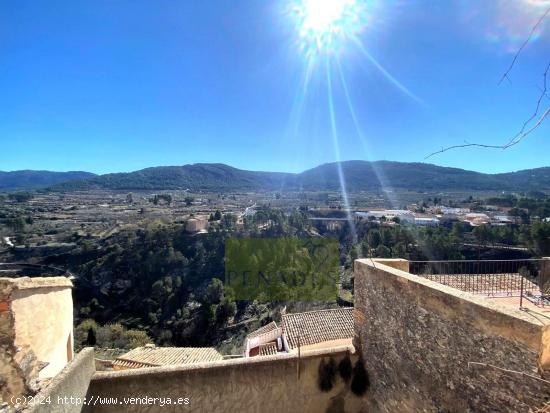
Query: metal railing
[[16, 269], [517, 278]]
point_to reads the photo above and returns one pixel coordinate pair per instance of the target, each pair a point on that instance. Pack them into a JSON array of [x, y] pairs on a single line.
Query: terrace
[[523, 284], [435, 336]]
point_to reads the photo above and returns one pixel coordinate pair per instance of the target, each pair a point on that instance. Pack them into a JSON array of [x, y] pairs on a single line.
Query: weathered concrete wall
[[417, 338], [36, 324], [280, 383], [64, 393], [44, 322]]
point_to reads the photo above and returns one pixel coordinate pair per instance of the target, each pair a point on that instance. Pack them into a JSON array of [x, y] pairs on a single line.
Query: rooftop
[[314, 327], [262, 330], [165, 356]]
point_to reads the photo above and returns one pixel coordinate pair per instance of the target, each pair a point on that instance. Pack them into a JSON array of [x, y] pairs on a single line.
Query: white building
[[389, 214], [426, 222], [477, 218], [502, 220], [453, 211]]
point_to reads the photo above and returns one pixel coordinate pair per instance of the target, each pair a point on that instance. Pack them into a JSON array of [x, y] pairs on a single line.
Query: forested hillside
[[38, 179], [359, 176]]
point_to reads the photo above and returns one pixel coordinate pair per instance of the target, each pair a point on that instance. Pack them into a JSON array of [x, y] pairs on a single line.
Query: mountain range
[[358, 176], [19, 180]]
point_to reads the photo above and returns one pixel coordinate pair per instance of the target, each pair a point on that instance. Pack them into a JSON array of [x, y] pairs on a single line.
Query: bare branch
[[533, 30], [521, 373], [537, 107], [523, 132], [517, 139]]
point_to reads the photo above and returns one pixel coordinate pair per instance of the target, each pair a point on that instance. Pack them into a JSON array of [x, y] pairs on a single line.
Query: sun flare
[[324, 25]]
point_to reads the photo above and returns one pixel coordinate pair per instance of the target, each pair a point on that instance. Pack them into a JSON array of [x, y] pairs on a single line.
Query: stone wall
[[36, 324], [418, 340], [280, 383], [67, 391]]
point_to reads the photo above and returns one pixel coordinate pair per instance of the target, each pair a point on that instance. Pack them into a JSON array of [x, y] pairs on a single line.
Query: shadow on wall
[[327, 380], [355, 379]]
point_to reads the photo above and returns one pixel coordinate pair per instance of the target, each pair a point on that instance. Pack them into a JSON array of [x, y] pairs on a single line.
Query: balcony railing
[[493, 278]]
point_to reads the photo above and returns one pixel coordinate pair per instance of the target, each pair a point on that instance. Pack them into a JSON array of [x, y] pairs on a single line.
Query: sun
[[323, 16], [324, 25]]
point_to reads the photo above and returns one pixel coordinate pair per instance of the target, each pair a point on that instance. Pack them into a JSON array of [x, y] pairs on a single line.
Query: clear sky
[[108, 86]]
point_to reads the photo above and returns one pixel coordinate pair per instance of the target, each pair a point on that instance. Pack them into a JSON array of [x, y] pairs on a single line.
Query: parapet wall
[[280, 383], [421, 343], [66, 392]]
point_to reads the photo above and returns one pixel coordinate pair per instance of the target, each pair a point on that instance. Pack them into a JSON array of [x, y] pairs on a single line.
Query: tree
[[540, 238], [91, 339], [21, 196], [224, 311], [374, 238], [188, 200], [483, 234], [400, 250], [228, 221], [164, 198], [458, 231], [383, 252], [137, 338], [17, 224], [214, 291], [85, 333]]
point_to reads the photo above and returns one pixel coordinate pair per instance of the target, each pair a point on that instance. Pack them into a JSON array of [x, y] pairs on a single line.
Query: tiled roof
[[268, 349], [262, 330], [164, 356], [318, 326]]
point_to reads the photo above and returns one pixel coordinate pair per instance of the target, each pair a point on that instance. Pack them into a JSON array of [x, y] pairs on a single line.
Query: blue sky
[[108, 86]]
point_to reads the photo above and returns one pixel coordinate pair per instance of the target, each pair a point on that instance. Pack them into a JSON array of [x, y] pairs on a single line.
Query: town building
[[445, 210], [388, 214], [307, 331], [196, 224], [476, 218], [426, 221], [502, 220]]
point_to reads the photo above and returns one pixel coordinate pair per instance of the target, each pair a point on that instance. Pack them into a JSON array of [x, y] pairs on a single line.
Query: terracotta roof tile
[[318, 326], [164, 356], [268, 349], [262, 330]]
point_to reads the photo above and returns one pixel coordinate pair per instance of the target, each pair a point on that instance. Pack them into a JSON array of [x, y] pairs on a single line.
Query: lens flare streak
[[336, 144], [324, 28], [379, 174], [386, 74]]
